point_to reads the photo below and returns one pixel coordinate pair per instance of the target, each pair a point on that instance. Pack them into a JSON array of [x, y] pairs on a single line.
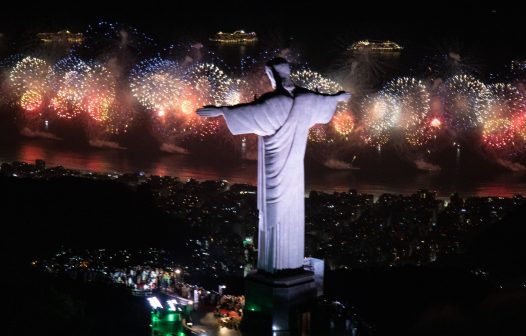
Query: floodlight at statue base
[[278, 305]]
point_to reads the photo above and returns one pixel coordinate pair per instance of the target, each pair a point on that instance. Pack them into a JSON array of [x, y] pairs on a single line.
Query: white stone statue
[[281, 119]]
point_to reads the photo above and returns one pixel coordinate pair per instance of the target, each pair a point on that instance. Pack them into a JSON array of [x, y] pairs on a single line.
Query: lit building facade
[[237, 37], [63, 36], [375, 46]]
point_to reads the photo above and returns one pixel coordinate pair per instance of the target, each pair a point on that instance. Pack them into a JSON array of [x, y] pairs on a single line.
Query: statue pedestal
[[278, 305]]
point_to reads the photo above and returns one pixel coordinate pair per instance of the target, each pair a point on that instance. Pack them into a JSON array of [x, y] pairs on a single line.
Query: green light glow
[[166, 323], [247, 241]]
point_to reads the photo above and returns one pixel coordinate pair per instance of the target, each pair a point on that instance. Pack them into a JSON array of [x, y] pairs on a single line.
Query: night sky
[[486, 36], [466, 21]]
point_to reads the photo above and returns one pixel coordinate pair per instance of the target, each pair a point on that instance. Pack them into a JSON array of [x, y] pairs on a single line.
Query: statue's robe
[[282, 121]]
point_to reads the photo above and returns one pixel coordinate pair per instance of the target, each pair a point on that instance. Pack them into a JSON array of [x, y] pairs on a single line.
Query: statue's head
[[278, 71]]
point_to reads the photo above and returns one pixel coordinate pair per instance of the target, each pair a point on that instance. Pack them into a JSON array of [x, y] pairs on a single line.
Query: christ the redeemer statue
[[281, 119]]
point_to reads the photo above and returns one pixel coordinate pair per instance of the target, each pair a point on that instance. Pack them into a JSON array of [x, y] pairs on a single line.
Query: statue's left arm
[[325, 106], [242, 118]]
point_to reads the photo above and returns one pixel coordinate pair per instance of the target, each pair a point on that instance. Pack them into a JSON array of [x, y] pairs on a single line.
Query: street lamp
[[221, 287], [155, 303]]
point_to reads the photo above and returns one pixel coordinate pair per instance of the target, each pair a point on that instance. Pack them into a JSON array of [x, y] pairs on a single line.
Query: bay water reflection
[[504, 184]]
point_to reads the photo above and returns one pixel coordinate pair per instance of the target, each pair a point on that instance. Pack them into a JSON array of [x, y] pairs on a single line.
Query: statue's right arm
[[247, 118], [216, 111]]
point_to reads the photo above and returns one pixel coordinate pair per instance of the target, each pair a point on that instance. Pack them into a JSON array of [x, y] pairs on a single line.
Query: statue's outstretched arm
[[216, 111], [343, 96], [210, 111], [325, 106], [242, 118], [340, 95]]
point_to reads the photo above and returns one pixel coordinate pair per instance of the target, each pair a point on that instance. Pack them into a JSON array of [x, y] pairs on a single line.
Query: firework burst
[[207, 84], [157, 85], [343, 121], [381, 113], [519, 126], [314, 81], [465, 100], [114, 37], [100, 93], [28, 80], [31, 100], [317, 134], [413, 100], [68, 80], [506, 101], [210, 85], [498, 133], [239, 92]]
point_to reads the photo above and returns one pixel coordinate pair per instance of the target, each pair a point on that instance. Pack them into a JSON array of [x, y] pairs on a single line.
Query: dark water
[[316, 178]]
